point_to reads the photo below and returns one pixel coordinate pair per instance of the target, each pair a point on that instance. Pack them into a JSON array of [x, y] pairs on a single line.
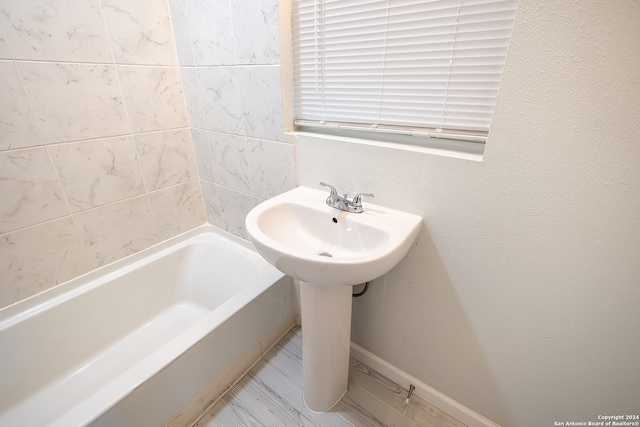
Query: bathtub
[[150, 340]]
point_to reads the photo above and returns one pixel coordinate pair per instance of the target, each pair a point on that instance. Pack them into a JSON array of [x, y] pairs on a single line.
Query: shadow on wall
[[417, 311]]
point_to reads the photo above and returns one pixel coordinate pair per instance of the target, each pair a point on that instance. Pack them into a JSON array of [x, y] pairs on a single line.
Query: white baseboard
[[423, 391]]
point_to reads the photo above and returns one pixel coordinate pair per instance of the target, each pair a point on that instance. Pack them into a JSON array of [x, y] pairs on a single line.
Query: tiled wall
[[229, 59], [96, 154]]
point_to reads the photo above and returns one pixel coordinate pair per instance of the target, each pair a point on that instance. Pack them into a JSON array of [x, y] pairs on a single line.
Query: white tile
[[272, 166], [233, 207], [211, 31], [261, 94], [204, 156], [29, 188], [5, 53], [97, 172], [75, 101], [220, 99], [37, 258], [114, 231], [211, 203], [261, 44], [154, 98], [18, 126], [178, 209], [229, 157], [192, 97], [64, 30], [182, 35], [167, 158], [140, 31]]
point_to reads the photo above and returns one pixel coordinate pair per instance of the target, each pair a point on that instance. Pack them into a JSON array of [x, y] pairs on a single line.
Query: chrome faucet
[[342, 202]]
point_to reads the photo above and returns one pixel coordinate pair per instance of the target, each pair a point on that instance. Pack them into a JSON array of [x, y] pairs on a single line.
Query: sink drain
[[325, 254]]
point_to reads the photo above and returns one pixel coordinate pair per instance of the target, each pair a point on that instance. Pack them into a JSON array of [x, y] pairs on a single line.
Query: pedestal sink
[[329, 251]]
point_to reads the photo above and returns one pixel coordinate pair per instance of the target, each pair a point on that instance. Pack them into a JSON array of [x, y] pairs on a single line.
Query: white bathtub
[[147, 341]]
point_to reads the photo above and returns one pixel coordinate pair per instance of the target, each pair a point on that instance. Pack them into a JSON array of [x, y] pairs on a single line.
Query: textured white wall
[[520, 297]]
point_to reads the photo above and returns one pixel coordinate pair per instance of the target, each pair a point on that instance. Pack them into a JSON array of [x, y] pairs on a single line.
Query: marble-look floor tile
[[64, 30], [272, 166], [261, 44], [240, 409], [154, 98], [211, 30], [114, 231], [30, 189], [167, 158], [229, 157], [140, 31], [178, 209], [18, 126], [261, 95], [96, 172], [220, 99], [274, 388], [37, 258], [97, 109]]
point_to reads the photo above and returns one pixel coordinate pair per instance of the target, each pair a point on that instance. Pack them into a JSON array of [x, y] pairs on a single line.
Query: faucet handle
[[334, 192], [357, 199]]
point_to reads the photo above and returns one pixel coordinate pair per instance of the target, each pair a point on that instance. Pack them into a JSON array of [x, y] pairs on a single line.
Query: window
[[422, 68]]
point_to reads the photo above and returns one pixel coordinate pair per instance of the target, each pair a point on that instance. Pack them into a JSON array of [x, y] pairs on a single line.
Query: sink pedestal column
[[326, 342]]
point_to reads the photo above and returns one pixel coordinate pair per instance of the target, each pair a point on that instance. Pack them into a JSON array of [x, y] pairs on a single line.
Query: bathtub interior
[[66, 346]]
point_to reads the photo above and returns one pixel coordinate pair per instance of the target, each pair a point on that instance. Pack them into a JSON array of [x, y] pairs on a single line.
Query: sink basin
[[326, 249], [306, 239]]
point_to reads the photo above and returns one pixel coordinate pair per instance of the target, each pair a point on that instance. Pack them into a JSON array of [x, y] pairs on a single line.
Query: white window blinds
[[406, 66]]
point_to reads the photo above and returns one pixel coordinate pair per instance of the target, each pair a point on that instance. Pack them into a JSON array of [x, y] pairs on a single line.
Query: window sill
[[445, 148]]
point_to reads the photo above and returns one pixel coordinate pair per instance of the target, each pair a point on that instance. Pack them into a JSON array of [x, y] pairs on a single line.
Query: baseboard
[[423, 391]]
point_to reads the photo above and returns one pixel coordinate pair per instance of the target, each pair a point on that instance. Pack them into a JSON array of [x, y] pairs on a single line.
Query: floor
[[271, 395]]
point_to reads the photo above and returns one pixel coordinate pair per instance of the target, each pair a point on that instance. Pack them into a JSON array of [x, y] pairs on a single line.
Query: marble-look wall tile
[[204, 156], [37, 258], [261, 44], [178, 209], [30, 189], [97, 172], [18, 126], [181, 32], [64, 30], [140, 31], [211, 31], [154, 98], [220, 99], [211, 203], [226, 208], [5, 53], [230, 165], [192, 97], [272, 166], [167, 158], [261, 96], [117, 230], [233, 207], [75, 101]]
